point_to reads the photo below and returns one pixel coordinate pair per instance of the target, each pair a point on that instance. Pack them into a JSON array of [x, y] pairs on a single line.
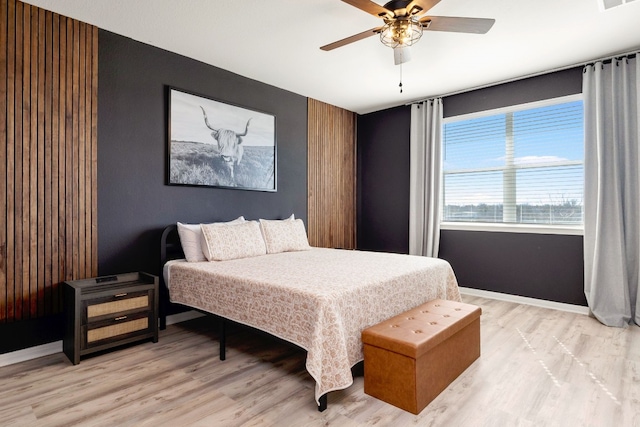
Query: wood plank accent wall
[[331, 176], [48, 157]]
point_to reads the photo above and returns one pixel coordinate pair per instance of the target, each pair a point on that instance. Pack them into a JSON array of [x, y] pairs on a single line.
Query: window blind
[[519, 165]]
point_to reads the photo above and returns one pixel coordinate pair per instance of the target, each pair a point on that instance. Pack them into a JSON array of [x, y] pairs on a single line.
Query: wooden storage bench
[[410, 358]]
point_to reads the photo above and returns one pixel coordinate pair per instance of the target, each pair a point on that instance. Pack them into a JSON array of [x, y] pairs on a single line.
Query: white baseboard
[[56, 346], [30, 353], [572, 308]]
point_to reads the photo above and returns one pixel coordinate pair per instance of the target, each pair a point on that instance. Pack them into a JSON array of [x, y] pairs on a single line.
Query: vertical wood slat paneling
[[3, 154], [331, 176], [93, 228], [70, 205], [42, 167], [46, 64], [9, 271], [55, 182], [48, 157], [17, 125]]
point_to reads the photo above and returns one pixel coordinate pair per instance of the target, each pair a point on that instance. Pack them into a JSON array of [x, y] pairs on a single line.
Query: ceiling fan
[[404, 22]]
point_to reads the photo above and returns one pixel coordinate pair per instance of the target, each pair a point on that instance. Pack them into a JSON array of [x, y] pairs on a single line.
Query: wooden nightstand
[[108, 311]]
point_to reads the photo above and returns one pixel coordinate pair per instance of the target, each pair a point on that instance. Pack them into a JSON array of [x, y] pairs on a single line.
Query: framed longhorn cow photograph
[[216, 144]]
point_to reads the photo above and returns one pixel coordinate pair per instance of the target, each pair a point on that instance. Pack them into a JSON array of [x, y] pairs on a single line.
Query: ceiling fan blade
[[457, 25], [370, 7], [354, 38], [424, 5]]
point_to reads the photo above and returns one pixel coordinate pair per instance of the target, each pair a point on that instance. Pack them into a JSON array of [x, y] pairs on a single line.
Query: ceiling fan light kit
[[401, 32]]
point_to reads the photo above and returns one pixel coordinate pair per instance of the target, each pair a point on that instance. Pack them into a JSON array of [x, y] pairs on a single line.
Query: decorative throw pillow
[[284, 235], [232, 241], [191, 239]]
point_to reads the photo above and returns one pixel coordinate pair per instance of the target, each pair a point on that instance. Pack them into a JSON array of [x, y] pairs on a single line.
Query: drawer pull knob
[[121, 318], [120, 295]]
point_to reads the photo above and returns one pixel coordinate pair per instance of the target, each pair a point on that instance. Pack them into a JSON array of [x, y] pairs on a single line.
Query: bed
[[319, 299]]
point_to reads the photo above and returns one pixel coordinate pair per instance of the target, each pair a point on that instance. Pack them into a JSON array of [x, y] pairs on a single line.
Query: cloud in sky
[[532, 160]]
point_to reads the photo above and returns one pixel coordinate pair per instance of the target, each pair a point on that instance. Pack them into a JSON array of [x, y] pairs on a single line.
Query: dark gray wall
[[542, 266], [546, 86], [533, 265], [134, 204], [383, 180]]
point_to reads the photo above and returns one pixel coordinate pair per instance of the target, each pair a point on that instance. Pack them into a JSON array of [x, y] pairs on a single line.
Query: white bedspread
[[320, 299]]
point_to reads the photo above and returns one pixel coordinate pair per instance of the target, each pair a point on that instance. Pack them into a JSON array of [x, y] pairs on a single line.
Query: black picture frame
[[212, 143]]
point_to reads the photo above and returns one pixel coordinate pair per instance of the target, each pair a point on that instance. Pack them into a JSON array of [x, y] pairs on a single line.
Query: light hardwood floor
[[538, 367]]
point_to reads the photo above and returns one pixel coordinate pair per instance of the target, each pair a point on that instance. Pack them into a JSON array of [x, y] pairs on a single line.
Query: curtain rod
[[631, 53]]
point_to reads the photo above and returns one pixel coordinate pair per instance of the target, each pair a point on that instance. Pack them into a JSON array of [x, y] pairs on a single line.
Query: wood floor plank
[[538, 367], [209, 402], [17, 416], [132, 404], [66, 399]]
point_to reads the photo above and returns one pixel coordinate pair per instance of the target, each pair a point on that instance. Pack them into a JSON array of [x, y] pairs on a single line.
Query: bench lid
[[420, 329]]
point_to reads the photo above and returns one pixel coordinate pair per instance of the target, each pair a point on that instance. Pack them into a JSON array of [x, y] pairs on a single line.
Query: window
[[521, 165]]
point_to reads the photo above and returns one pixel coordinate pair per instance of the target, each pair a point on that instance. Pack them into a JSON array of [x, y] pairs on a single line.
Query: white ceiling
[[277, 42]]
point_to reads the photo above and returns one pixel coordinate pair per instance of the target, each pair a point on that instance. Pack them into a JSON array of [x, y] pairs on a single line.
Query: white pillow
[[284, 235], [191, 239], [232, 241]]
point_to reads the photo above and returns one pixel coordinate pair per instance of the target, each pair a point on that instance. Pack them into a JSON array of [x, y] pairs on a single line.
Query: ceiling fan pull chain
[[400, 85]]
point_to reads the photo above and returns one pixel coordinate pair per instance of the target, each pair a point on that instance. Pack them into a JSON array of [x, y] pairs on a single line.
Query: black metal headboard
[[170, 247]]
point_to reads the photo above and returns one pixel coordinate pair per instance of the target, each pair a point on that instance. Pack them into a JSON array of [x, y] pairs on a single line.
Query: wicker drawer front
[[96, 310], [117, 329]]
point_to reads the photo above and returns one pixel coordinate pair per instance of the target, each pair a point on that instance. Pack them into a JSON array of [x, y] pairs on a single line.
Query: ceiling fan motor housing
[[398, 9]]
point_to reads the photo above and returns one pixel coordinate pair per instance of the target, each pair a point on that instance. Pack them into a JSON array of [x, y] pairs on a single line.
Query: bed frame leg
[[163, 320], [223, 339], [162, 309], [323, 403]]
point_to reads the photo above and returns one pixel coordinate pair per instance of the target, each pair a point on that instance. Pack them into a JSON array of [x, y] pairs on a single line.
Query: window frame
[[508, 227]]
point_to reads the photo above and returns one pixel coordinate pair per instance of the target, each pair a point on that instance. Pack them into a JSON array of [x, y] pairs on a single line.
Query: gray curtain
[[612, 190], [425, 169]]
